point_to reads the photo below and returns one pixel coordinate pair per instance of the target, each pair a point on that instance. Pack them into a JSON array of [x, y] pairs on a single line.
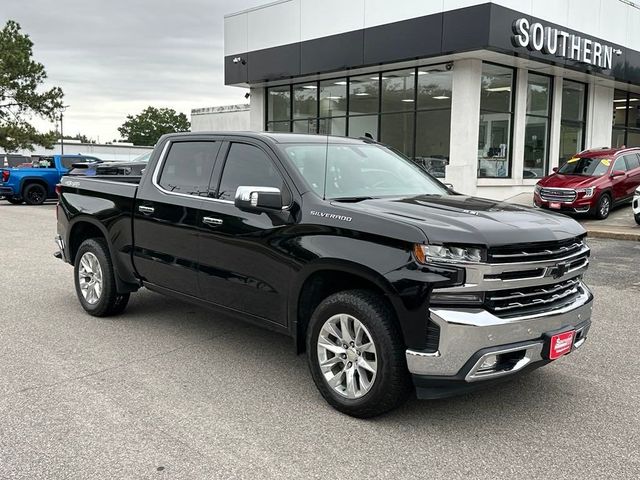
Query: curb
[[614, 235]]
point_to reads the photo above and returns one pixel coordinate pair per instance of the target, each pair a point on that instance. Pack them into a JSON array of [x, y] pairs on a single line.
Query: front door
[[241, 266], [166, 215]]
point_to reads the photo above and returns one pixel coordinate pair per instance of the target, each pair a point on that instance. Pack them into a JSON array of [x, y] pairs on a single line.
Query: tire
[[14, 201], [93, 264], [34, 194], [603, 207], [390, 384], [637, 218]]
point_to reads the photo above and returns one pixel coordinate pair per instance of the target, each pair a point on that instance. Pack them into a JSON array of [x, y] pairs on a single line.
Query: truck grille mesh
[[558, 195], [536, 252], [532, 300]]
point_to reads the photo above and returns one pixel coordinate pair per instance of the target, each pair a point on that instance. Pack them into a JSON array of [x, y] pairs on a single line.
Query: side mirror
[[554, 169], [258, 199], [618, 173], [449, 186]]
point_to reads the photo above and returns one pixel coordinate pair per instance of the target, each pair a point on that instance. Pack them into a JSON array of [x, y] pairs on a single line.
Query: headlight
[[588, 192], [537, 189], [446, 253]]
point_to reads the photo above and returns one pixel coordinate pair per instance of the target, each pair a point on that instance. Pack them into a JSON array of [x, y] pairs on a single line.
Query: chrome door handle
[[145, 209], [212, 221]]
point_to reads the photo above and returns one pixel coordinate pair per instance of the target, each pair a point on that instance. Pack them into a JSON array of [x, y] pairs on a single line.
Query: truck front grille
[[564, 195], [536, 252], [532, 300]]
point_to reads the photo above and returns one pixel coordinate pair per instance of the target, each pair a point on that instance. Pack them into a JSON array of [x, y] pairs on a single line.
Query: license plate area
[[558, 344], [555, 205]]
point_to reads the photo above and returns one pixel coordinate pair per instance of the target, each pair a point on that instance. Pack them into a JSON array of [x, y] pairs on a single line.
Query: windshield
[[588, 167], [343, 171]]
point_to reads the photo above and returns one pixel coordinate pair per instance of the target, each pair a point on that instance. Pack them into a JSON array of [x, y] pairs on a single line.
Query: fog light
[[489, 363]]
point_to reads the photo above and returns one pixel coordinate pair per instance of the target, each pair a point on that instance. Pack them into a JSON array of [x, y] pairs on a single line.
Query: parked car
[[386, 278], [37, 182], [133, 167], [636, 206], [591, 182]]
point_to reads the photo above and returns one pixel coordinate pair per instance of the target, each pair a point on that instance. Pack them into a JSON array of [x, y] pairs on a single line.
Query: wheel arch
[[325, 277], [25, 182]]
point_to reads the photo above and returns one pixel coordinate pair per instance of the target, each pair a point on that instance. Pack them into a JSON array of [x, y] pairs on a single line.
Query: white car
[[636, 206]]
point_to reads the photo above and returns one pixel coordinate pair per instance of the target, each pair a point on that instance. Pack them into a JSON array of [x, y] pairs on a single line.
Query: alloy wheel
[[347, 356], [90, 278], [605, 206]]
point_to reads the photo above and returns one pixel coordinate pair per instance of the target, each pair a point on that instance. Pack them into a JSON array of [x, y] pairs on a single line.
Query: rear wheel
[[14, 201], [34, 194], [356, 354], [603, 207], [95, 280]]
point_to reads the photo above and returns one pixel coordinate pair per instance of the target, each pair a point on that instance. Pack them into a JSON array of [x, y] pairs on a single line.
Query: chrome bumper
[[468, 336]]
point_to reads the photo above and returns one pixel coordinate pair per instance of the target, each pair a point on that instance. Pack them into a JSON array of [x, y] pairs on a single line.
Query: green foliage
[[20, 77], [147, 127]]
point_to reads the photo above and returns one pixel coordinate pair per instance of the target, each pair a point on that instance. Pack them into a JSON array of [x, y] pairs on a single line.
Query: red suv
[[591, 182]]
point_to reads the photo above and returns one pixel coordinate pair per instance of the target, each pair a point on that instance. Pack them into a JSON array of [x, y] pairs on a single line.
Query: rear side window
[[632, 161], [187, 168], [249, 166]]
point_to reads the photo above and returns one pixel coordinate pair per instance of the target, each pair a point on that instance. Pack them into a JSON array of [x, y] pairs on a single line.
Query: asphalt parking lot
[[171, 391]]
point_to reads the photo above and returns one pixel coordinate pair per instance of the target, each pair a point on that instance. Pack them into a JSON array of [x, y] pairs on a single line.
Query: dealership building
[[489, 96]]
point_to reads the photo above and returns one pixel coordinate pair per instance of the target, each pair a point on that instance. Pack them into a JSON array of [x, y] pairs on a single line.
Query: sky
[[113, 58]]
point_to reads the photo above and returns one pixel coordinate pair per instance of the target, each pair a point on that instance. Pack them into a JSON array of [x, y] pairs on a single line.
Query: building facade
[[489, 96]]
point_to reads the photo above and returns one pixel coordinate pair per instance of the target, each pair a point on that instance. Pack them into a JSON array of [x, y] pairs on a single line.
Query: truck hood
[[569, 181], [470, 220]]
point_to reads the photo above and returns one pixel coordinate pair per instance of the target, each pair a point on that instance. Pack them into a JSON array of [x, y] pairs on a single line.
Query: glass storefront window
[[309, 125], [536, 134], [363, 94], [333, 126], [305, 100], [333, 98], [364, 126], [496, 118], [434, 88], [278, 103], [573, 119], [396, 129], [278, 127], [432, 141], [398, 90], [626, 119]]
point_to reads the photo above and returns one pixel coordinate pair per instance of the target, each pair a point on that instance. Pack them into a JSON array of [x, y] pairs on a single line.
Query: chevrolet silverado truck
[[385, 277], [36, 183]]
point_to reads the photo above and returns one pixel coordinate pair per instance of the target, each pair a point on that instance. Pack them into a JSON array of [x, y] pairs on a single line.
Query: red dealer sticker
[[561, 344]]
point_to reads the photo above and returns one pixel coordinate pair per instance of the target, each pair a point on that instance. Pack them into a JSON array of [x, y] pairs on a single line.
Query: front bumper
[[469, 336]]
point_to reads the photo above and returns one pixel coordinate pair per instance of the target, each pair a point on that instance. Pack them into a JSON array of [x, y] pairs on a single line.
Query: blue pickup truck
[[34, 184]]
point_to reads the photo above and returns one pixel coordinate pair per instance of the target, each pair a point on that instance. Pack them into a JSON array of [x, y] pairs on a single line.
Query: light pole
[[62, 109]]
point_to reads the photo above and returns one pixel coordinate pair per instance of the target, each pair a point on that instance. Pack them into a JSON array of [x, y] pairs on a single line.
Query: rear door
[[166, 214], [241, 266], [633, 178]]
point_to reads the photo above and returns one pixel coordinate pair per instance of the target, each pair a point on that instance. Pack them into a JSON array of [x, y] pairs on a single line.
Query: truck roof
[[282, 137]]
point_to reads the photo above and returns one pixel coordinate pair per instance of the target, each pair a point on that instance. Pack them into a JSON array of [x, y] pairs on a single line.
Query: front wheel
[[603, 207], [95, 280], [356, 354], [637, 217]]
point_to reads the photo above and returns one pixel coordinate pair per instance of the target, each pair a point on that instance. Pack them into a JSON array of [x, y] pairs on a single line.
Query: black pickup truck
[[389, 280]]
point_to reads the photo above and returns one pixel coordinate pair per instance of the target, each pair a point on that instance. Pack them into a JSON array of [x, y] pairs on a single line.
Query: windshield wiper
[[352, 199]]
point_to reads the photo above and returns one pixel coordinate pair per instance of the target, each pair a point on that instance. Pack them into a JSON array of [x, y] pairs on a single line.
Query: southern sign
[[554, 41]]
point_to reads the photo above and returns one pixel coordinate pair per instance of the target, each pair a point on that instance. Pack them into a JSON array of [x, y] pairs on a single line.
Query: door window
[[187, 168], [632, 161], [619, 164], [249, 166]]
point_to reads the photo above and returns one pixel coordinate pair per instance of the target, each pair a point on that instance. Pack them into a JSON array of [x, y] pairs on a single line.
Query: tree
[[20, 100], [79, 136], [147, 127]]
